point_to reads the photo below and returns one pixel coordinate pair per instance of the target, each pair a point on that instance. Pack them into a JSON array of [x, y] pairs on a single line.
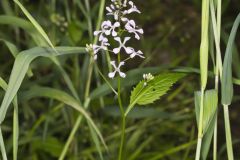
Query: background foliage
[[163, 130]]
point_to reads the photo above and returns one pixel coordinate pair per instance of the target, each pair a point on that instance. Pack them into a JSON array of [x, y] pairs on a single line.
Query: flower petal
[[111, 74]]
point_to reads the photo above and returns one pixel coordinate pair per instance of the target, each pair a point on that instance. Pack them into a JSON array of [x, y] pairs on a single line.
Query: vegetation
[[71, 87]]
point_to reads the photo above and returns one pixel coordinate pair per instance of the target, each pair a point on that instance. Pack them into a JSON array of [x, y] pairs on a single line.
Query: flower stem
[[228, 133], [120, 153]]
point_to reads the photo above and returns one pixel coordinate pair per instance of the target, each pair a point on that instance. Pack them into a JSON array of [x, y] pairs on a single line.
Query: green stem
[[70, 138], [228, 133], [215, 139], [3, 150], [73, 132], [200, 127], [120, 153], [218, 70], [90, 70]]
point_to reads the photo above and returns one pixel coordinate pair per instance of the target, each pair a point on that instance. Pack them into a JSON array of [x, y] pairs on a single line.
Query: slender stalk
[[120, 153], [215, 138], [70, 138], [219, 63], [90, 71], [228, 133], [15, 130], [3, 150], [200, 127], [89, 21]]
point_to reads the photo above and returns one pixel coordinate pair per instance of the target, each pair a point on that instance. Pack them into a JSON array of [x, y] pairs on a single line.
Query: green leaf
[[49, 145], [133, 77], [227, 81], [4, 85], [145, 94], [25, 25], [2, 145], [66, 99], [204, 44], [14, 51], [207, 139], [12, 48], [210, 107], [20, 68], [209, 117], [35, 23]]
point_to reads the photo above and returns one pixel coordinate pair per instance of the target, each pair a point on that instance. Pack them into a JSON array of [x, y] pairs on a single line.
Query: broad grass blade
[[21, 66], [66, 99], [209, 117], [210, 107], [227, 82]]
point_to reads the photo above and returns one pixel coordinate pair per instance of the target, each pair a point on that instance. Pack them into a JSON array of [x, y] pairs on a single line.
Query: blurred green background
[[166, 129]]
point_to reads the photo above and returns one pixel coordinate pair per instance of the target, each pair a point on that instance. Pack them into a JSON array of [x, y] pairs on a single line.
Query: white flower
[[116, 69], [148, 77], [122, 45], [125, 3], [132, 9], [107, 28], [104, 27], [97, 48], [138, 53], [112, 10], [131, 28], [111, 28]]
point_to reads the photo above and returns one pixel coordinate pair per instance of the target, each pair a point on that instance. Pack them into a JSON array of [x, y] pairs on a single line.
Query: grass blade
[[210, 107], [4, 85], [20, 68], [228, 133], [209, 111], [25, 25], [12, 48], [227, 82], [65, 98], [34, 22], [3, 150]]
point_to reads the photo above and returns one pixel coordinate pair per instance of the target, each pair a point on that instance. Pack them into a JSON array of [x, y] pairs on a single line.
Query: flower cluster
[[147, 78], [115, 29]]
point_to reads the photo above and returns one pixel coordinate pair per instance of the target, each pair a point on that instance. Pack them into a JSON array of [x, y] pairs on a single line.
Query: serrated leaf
[[145, 94]]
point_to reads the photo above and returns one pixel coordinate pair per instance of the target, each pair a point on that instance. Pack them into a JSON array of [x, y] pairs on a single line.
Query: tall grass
[[223, 74], [84, 86]]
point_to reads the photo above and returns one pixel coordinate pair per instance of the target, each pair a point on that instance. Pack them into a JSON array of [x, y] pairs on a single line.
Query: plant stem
[[3, 150], [219, 63], [70, 138], [200, 127], [90, 70], [228, 133], [120, 154], [215, 139]]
